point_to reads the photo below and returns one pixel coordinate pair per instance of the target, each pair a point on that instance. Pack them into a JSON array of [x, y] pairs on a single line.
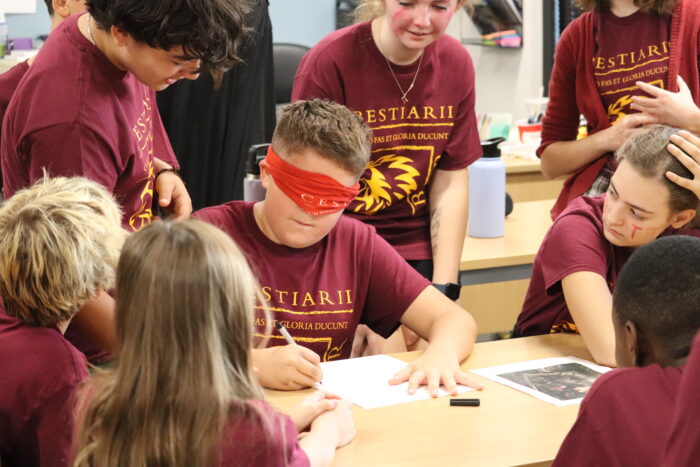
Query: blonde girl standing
[[414, 86]]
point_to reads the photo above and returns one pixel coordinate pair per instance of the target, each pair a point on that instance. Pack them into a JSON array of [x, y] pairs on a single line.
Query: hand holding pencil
[[288, 367]]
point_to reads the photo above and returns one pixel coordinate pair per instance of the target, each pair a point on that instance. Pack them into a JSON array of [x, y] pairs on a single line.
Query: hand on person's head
[[689, 156], [173, 196], [625, 128], [672, 108], [288, 367]]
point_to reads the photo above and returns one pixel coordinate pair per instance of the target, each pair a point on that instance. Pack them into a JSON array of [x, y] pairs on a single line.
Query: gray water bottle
[[487, 192], [253, 189]]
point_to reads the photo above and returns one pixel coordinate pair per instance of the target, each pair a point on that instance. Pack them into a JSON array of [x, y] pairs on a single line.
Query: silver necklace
[[92, 38], [404, 93]]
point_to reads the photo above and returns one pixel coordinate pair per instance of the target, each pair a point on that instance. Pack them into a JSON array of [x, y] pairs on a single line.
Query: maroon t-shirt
[[246, 442], [8, 83], [322, 292], [574, 243], [39, 371], [435, 129], [629, 49], [623, 420], [75, 113], [683, 447]]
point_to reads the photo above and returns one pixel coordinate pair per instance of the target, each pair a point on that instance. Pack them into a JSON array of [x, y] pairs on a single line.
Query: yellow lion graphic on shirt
[[377, 194]]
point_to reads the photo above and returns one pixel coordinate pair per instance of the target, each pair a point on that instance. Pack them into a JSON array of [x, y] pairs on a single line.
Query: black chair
[[286, 58]]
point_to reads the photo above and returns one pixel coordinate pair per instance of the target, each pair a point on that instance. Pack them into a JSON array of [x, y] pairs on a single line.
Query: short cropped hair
[[61, 240], [659, 291], [660, 7], [209, 30], [331, 129], [49, 6], [647, 152]]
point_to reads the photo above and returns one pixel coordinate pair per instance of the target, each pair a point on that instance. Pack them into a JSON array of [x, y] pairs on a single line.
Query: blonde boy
[[60, 242], [323, 274]]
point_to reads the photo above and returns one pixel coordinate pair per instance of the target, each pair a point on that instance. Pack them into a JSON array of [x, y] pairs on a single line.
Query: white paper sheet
[[560, 381], [364, 381]]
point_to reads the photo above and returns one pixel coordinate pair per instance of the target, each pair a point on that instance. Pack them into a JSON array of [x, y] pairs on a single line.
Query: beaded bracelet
[[174, 170]]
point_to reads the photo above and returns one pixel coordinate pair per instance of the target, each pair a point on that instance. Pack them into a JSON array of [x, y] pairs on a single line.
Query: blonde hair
[[60, 242], [368, 10], [185, 298], [647, 152], [331, 129]]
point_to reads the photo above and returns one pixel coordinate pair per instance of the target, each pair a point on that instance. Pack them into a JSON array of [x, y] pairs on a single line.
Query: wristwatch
[[450, 290]]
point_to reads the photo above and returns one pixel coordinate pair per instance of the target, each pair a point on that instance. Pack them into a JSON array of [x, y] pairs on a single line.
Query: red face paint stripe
[[634, 229]]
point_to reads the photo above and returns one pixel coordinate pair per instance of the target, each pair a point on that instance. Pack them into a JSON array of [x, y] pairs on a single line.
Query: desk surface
[[519, 165], [6, 64], [510, 427], [525, 228]]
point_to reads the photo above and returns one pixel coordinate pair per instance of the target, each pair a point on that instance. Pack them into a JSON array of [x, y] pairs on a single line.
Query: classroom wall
[[290, 19], [298, 23], [29, 25], [506, 77]]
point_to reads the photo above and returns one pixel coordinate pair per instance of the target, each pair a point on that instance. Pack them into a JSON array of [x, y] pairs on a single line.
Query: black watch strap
[[450, 290]]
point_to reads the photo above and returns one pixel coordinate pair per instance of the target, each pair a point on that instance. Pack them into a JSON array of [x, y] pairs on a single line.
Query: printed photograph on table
[[559, 381]]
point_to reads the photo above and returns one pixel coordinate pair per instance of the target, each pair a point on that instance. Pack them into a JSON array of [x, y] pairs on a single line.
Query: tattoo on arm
[[435, 214]]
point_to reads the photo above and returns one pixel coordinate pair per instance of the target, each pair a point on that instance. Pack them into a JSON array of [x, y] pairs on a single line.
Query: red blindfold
[[315, 193]]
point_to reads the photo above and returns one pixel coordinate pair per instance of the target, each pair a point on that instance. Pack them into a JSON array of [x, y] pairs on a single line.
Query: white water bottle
[[487, 192]]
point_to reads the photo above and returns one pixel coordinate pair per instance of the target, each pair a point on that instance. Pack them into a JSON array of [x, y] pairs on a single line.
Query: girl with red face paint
[[654, 192], [414, 86]]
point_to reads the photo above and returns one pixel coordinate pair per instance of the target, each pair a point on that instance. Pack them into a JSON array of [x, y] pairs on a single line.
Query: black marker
[[465, 402]]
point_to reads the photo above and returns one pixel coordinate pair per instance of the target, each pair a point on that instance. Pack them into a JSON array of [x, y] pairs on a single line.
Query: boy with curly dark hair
[[87, 107]]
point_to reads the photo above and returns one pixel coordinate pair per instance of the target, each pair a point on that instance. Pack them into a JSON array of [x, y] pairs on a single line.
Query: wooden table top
[[525, 228], [6, 64], [510, 427], [518, 165]]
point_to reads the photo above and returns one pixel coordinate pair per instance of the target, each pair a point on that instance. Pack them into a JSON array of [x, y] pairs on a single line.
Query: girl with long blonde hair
[[183, 392]]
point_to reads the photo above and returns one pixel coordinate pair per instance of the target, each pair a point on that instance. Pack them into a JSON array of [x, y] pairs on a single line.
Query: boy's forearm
[[448, 223], [453, 333]]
